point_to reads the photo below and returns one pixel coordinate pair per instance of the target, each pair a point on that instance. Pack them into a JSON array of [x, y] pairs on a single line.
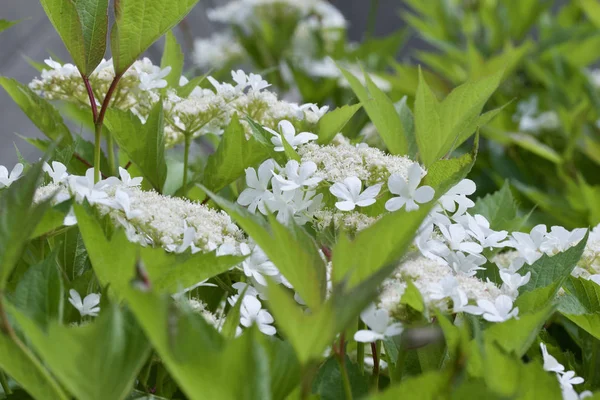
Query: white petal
[[365, 336], [424, 194], [345, 205], [395, 203]]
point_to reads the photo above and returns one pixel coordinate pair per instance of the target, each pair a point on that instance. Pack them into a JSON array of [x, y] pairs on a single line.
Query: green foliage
[[172, 57], [147, 154], [440, 127], [39, 111], [500, 209], [333, 122], [4, 24], [82, 26], [327, 382], [139, 23]]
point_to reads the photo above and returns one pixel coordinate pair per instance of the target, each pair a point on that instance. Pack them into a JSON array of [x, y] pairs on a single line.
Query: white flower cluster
[[203, 111], [147, 217], [217, 51], [327, 68], [566, 379], [531, 120], [245, 13]]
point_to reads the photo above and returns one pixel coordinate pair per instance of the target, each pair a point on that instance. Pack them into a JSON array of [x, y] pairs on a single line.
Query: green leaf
[[443, 126], [291, 249], [4, 24], [235, 370], [517, 335], [548, 270], [427, 386], [233, 156], [113, 339], [582, 304], [328, 381], [412, 297], [592, 10], [538, 298], [167, 272], [442, 175], [40, 292], [18, 219], [82, 26], [382, 113], [139, 23], [500, 208], [40, 112], [334, 121], [283, 365], [187, 89], [147, 154], [52, 219], [172, 57]]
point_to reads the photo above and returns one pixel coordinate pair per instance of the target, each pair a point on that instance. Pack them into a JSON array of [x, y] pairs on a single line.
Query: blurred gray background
[[35, 38]]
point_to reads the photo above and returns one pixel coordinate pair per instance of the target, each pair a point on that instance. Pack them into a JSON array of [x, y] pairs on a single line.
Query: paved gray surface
[[35, 38]]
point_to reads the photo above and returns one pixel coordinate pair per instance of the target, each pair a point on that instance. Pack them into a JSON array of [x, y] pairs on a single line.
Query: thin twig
[[87, 164], [90, 92]]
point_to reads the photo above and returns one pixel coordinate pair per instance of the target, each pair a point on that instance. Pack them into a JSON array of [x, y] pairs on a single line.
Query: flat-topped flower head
[[289, 133], [350, 195], [410, 195]]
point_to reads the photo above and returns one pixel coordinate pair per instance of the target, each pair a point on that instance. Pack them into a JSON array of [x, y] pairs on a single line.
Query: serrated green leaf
[[233, 156], [499, 208], [172, 57], [382, 113], [39, 111], [334, 121], [582, 304], [147, 154], [548, 270], [139, 23], [538, 298], [113, 339], [442, 175]]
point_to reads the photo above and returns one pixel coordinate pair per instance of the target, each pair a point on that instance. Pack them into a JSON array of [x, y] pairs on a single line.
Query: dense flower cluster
[[202, 111]]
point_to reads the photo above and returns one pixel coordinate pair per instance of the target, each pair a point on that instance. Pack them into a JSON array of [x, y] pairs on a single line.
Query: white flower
[[7, 179], [513, 281], [462, 264], [407, 191], [123, 202], [568, 379], [58, 171], [461, 304], [151, 77], [595, 278], [240, 78], [251, 312], [258, 187], [457, 195], [257, 83], [298, 175], [455, 235], [430, 248], [89, 305], [257, 264], [350, 195], [379, 323], [128, 180], [479, 228], [499, 311], [289, 133], [550, 363], [559, 239], [446, 287], [528, 245]]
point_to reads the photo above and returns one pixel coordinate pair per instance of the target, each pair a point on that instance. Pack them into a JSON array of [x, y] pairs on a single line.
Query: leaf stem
[[186, 160], [341, 357], [110, 145], [99, 122], [360, 350], [4, 383], [90, 93], [375, 346], [372, 18]]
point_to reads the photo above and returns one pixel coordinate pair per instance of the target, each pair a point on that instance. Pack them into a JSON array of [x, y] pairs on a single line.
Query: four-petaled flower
[[128, 180], [89, 305], [257, 192], [379, 323], [500, 310], [251, 312], [58, 171], [457, 195], [298, 175], [350, 195], [289, 133], [408, 194], [7, 179]]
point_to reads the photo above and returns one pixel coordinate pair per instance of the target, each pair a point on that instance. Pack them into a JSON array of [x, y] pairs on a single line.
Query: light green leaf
[[148, 154], [334, 121], [442, 175], [283, 365], [18, 219], [172, 57], [548, 270], [592, 10], [291, 249], [233, 156], [441, 127], [427, 386], [412, 297], [538, 298], [114, 339], [382, 113], [4, 24], [40, 112], [187, 89], [582, 304], [82, 26], [139, 23]]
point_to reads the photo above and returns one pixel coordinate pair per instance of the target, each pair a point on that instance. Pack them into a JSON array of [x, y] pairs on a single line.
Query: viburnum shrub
[[312, 231]]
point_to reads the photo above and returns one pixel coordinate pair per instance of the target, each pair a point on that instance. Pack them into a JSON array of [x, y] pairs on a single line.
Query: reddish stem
[[375, 359], [86, 163], [128, 165], [90, 93], [107, 98]]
